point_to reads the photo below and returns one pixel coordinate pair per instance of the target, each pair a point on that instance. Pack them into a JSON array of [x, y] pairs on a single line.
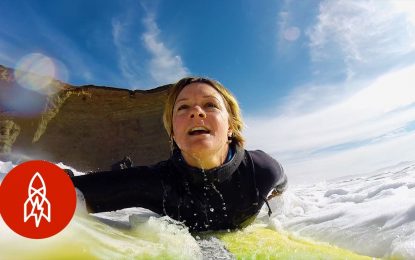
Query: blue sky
[[325, 86], [144, 44]]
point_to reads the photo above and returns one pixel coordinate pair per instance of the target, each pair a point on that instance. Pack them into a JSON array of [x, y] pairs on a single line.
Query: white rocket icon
[[37, 205]]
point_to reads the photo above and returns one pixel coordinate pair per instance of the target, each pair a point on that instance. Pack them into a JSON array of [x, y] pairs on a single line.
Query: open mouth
[[198, 130]]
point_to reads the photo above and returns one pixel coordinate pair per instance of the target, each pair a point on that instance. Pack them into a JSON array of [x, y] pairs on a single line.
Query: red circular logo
[[38, 199]]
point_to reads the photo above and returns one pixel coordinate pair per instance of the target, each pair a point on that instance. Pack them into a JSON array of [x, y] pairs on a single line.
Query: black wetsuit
[[227, 197]]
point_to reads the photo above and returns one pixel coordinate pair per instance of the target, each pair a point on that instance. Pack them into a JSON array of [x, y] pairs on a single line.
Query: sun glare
[[35, 72]]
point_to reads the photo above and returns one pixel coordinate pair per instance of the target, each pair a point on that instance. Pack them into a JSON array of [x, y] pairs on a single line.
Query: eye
[[211, 105], [181, 107]]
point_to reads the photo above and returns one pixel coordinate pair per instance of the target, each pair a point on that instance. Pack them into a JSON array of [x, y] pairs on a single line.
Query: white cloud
[[152, 66], [362, 34], [128, 61], [165, 66], [370, 119], [360, 160], [406, 7]]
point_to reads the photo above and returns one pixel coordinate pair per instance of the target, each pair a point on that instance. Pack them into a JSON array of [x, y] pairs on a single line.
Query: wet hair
[[231, 104]]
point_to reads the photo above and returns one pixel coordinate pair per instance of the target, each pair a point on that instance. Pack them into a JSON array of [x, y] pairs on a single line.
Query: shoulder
[[269, 173], [266, 166], [263, 160]]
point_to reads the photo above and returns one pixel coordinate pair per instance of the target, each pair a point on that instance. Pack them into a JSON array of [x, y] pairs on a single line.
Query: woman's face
[[201, 122]]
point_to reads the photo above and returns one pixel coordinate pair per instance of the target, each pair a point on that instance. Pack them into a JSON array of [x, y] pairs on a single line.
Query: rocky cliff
[[86, 127]]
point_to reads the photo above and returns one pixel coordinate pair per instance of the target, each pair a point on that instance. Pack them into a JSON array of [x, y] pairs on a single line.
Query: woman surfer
[[209, 182]]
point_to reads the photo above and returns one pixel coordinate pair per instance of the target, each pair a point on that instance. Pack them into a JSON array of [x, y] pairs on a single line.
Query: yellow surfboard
[[262, 243]]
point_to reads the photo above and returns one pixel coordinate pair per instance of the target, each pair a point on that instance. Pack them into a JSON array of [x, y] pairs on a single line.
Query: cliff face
[[87, 127]]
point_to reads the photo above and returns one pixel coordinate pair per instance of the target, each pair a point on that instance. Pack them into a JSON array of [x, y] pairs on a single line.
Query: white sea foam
[[373, 215], [5, 167]]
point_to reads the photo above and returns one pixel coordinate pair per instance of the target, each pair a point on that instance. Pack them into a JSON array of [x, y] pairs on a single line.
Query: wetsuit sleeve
[[132, 187], [269, 173]]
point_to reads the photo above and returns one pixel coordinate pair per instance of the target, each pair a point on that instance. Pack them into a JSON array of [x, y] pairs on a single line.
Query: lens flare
[[36, 72]]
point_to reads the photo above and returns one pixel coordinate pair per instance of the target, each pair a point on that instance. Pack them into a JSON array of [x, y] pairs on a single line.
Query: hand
[[69, 172], [125, 163], [274, 193]]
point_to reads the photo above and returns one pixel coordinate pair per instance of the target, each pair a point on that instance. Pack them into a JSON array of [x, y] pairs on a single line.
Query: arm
[[270, 177], [112, 190]]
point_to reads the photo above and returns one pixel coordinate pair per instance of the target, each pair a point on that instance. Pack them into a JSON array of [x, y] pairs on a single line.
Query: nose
[[197, 111]]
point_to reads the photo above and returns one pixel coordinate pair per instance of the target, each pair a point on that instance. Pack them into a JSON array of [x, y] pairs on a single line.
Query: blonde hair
[[231, 104]]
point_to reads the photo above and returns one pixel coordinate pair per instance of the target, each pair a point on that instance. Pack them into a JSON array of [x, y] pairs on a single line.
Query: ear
[[171, 139], [173, 144]]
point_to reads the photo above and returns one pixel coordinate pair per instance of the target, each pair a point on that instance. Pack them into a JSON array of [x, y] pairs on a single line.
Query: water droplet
[[192, 201], [195, 214], [224, 208], [212, 209], [225, 215], [210, 220]]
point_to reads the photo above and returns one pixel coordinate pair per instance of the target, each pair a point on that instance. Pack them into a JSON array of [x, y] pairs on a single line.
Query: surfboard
[[263, 243]]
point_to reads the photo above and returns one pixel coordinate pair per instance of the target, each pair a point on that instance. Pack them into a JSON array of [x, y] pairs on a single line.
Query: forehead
[[198, 89]]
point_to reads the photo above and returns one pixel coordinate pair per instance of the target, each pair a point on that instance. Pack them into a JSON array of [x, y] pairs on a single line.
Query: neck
[[206, 161]]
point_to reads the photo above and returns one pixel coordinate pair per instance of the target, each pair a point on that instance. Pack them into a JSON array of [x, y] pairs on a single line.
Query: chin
[[200, 148]]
